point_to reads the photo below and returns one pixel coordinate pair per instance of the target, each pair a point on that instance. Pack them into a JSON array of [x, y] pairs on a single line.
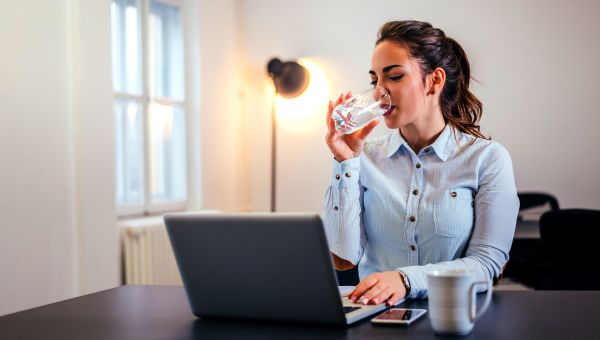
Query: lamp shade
[[290, 78]]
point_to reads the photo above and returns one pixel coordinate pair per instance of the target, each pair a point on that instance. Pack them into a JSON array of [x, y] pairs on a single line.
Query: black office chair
[[530, 200], [570, 243], [526, 255]]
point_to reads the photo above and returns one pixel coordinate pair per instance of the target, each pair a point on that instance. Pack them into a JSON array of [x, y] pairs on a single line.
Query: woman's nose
[[382, 85]]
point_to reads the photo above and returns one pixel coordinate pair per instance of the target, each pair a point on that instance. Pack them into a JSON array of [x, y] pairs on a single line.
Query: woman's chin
[[390, 122]]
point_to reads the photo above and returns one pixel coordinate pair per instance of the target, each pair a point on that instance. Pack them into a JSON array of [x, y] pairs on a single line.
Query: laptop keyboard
[[350, 309]]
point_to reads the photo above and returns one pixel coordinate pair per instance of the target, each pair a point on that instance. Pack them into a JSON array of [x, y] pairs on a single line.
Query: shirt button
[[336, 208], [415, 192], [426, 150], [412, 218], [347, 174], [453, 194], [337, 176], [412, 247], [418, 165]]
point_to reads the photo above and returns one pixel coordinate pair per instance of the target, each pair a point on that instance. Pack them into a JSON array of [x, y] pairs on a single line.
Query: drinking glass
[[357, 111]]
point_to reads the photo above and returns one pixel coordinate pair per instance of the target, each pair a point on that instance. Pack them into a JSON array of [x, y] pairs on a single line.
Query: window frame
[[147, 208]]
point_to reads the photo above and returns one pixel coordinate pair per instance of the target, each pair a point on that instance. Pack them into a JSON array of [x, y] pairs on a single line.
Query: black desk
[[160, 312]]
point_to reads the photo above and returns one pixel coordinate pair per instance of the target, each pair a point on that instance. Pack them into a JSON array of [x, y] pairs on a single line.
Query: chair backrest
[[570, 242], [570, 237], [535, 199]]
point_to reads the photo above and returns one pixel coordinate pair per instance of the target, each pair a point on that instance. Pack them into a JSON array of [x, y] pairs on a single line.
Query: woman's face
[[393, 69]]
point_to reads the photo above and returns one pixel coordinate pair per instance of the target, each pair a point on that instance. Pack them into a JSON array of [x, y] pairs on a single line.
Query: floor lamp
[[290, 80]]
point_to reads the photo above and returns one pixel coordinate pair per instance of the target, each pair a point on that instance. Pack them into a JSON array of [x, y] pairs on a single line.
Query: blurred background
[[115, 112]]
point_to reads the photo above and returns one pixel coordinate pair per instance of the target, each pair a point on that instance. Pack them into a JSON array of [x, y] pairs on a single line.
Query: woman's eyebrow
[[388, 68], [385, 69]]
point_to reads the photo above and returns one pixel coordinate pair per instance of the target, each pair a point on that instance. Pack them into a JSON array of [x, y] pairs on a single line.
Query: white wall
[[58, 236], [535, 62], [36, 187], [57, 222], [220, 105], [92, 147]]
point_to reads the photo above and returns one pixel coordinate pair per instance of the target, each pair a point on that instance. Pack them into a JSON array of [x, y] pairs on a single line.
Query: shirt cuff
[[345, 173], [417, 279]]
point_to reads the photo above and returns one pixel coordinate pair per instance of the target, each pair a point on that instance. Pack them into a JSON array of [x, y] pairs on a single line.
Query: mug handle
[[472, 294]]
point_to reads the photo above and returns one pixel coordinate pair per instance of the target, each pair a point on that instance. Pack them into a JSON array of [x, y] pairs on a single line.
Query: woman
[[433, 194]]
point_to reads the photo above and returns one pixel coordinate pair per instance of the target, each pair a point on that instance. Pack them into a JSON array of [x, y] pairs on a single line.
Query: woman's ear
[[436, 81]]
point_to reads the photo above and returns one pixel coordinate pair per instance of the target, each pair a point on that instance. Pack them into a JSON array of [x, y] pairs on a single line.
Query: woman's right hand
[[344, 146]]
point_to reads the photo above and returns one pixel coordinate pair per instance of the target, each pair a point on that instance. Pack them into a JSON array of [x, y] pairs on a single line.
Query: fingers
[[363, 287], [340, 99], [381, 295], [377, 294], [364, 132], [379, 288], [329, 120], [393, 300]]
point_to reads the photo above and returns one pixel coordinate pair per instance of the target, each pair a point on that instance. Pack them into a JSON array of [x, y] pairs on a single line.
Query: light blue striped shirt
[[453, 205]]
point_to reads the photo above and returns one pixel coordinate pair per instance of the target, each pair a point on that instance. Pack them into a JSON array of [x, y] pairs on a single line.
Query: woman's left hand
[[378, 288]]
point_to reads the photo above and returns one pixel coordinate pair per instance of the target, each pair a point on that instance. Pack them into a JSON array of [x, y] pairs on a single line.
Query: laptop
[[260, 266]]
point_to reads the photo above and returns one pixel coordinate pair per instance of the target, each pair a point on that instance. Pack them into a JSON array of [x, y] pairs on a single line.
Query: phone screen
[[400, 315]]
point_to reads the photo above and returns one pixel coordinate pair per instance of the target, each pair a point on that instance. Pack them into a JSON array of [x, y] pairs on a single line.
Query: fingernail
[[375, 301], [364, 301]]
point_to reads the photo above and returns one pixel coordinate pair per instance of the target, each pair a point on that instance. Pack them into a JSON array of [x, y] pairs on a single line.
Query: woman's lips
[[389, 111]]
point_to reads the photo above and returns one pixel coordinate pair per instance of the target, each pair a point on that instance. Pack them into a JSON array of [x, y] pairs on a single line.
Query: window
[[149, 106]]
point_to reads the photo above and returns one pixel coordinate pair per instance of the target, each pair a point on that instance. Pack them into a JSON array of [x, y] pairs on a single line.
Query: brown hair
[[433, 49]]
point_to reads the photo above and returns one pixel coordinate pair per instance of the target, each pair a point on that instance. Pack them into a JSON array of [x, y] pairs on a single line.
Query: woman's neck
[[420, 134]]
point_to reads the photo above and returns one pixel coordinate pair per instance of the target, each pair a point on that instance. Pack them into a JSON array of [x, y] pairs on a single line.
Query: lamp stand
[[273, 154]]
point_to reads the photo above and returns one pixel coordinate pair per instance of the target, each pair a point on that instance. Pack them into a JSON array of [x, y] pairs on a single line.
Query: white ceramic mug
[[452, 301]]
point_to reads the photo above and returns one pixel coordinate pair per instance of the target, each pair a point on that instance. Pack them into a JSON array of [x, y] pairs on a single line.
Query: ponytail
[[459, 105]]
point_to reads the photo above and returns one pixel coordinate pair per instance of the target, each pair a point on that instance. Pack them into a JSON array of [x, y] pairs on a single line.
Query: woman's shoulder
[[487, 150]]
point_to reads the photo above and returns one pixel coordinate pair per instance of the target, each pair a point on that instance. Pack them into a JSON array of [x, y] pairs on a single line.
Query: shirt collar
[[395, 142], [443, 146]]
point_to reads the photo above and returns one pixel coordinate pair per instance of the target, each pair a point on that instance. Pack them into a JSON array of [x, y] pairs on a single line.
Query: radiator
[[147, 256]]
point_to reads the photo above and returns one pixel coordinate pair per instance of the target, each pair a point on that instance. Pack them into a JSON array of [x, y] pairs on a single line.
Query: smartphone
[[398, 316]]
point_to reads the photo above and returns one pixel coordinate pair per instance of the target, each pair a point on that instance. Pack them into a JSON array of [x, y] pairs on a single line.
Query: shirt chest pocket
[[453, 212]]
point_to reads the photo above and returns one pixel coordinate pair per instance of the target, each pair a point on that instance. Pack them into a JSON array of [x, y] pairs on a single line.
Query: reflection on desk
[[159, 312]]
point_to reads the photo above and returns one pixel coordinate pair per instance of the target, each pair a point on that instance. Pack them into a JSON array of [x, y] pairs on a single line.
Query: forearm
[[485, 266], [341, 264], [342, 212]]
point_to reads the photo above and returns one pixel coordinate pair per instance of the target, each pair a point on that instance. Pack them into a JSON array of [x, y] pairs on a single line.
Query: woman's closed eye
[[394, 78]]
